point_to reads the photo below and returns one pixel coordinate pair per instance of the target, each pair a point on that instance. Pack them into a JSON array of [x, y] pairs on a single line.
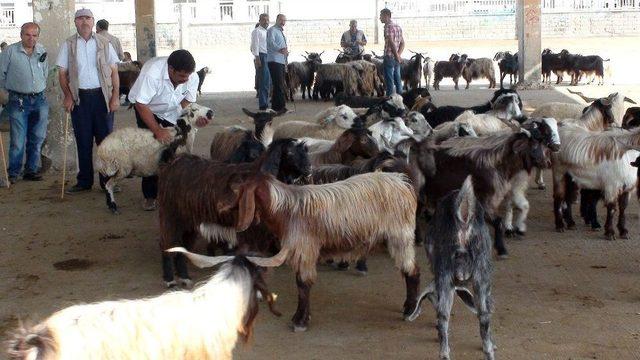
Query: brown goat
[[353, 143], [479, 68]]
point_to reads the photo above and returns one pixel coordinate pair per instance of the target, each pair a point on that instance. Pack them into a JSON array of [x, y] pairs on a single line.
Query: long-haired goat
[[508, 65], [309, 221], [135, 151], [411, 71], [343, 73], [352, 144], [301, 74], [195, 195], [479, 68], [201, 324], [328, 124], [458, 247], [452, 68]]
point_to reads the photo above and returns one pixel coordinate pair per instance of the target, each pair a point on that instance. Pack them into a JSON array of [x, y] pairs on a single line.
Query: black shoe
[[13, 179], [76, 189], [32, 177]]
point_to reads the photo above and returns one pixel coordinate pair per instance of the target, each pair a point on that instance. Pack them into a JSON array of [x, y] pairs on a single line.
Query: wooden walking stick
[[64, 154], [4, 162]]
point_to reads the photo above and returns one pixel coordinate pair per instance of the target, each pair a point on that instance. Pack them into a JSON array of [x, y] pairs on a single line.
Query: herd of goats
[[396, 170]]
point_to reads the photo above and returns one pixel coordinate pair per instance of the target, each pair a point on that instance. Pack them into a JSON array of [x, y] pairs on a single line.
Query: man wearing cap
[[165, 86], [23, 73], [89, 80], [102, 28]]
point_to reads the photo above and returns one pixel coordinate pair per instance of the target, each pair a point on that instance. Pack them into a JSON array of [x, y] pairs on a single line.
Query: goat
[[631, 118], [409, 97], [229, 139], [128, 73], [411, 71], [458, 247], [353, 143], [428, 70], [330, 123], [347, 56], [579, 65], [196, 195], [439, 115], [479, 68], [553, 63], [309, 221], [342, 73], [458, 130], [202, 74], [452, 68], [492, 160], [415, 121], [301, 74], [201, 324], [508, 65], [135, 151], [370, 81]]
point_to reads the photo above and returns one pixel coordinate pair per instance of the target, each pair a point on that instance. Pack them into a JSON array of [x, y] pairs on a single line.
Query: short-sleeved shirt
[[23, 73], [350, 38], [393, 32], [155, 89], [87, 60]]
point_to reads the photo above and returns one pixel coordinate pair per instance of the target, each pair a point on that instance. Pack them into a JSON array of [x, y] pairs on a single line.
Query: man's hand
[[399, 59], [163, 135], [68, 104], [257, 62], [114, 104], [202, 122], [284, 51]]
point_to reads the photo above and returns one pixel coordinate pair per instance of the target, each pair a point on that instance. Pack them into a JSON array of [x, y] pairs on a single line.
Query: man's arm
[[64, 85], [161, 134], [255, 48], [343, 42], [115, 92], [401, 47], [4, 67], [364, 40]]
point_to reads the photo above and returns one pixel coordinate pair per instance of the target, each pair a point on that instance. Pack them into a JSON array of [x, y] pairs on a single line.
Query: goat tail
[[32, 343]]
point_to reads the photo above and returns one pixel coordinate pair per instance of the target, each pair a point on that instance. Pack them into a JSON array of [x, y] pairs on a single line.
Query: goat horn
[[585, 98], [201, 261], [273, 261], [629, 100]]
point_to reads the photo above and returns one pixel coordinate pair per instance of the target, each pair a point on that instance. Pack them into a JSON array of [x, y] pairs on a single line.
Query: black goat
[[301, 74], [409, 97], [347, 55], [459, 249], [508, 65], [443, 114], [580, 65], [451, 68], [553, 63], [358, 101], [411, 71]]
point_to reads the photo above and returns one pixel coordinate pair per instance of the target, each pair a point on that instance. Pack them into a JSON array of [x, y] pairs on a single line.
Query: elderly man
[[165, 86], [259, 51], [277, 53], [23, 73], [102, 28], [89, 80], [393, 47], [353, 40]]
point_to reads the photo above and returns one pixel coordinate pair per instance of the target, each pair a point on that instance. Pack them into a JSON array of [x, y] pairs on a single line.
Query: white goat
[[203, 324], [329, 124], [135, 151]]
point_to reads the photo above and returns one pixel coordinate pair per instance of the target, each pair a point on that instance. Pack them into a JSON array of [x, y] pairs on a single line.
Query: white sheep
[[135, 151], [328, 124], [202, 324]]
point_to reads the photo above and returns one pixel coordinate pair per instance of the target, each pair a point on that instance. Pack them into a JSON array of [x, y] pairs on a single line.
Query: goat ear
[[344, 142], [271, 165], [466, 202], [201, 261], [246, 206], [249, 113]]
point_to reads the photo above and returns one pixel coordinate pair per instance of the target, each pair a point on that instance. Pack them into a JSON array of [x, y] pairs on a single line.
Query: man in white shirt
[[165, 86], [259, 51], [88, 75]]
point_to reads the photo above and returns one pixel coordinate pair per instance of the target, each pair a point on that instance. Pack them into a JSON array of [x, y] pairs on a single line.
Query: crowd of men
[[270, 51], [88, 74]]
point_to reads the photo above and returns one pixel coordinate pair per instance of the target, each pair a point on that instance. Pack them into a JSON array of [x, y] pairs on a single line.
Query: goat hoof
[[509, 233], [520, 232], [343, 266], [299, 328], [624, 236], [114, 211], [571, 227], [610, 237], [542, 187]]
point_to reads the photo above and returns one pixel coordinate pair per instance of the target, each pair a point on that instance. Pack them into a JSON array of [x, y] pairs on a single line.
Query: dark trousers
[[150, 183], [91, 120], [277, 77]]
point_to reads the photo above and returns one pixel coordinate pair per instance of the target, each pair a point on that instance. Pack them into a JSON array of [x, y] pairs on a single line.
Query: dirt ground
[[569, 295]]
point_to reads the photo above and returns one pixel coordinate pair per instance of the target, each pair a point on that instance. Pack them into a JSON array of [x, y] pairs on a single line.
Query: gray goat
[[458, 246]]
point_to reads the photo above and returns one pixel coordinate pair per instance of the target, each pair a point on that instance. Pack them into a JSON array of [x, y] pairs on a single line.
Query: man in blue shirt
[[23, 73], [277, 53]]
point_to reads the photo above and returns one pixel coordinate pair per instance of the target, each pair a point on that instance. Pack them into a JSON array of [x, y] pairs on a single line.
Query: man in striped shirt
[[393, 47]]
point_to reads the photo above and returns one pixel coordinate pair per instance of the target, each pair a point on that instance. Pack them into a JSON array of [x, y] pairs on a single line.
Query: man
[[164, 87], [259, 51], [23, 73], [102, 28], [393, 47], [353, 40], [89, 80], [277, 53]]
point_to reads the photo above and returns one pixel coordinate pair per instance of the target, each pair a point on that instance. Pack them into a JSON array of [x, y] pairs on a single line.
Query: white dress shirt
[[259, 41], [154, 89], [87, 61]]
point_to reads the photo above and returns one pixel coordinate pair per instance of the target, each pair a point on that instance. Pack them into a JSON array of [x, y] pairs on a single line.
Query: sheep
[[429, 70], [443, 114], [196, 195], [229, 139], [353, 143], [330, 123], [343, 73], [479, 68], [309, 221], [301, 74], [200, 324], [411, 71], [452, 68], [508, 65], [458, 247], [135, 151], [202, 74]]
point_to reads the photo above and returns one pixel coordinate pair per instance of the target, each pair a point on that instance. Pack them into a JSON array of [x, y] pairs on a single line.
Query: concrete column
[[529, 43], [145, 29], [55, 18]]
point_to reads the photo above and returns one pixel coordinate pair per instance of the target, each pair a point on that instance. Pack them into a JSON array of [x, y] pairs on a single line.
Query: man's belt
[[26, 94]]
